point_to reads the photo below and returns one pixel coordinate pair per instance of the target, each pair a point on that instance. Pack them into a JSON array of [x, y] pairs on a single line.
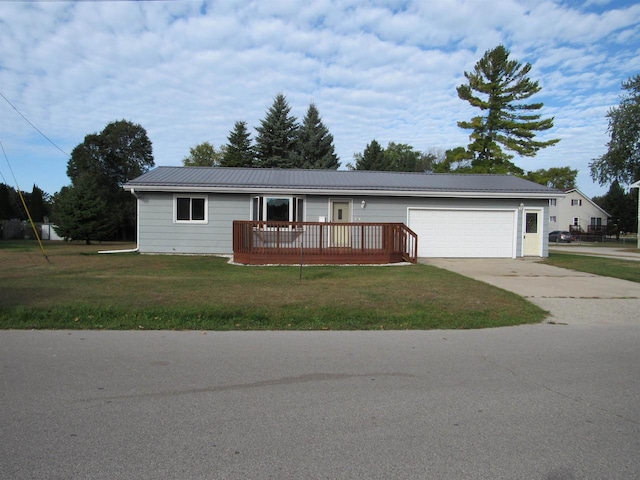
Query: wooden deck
[[262, 243]]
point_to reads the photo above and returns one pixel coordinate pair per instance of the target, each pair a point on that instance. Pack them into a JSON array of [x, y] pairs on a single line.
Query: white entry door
[[341, 213], [532, 241]]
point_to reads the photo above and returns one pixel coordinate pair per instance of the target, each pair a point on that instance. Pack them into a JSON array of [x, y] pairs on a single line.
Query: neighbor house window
[[576, 221], [576, 202], [278, 209], [190, 208], [552, 219], [596, 221], [552, 202]]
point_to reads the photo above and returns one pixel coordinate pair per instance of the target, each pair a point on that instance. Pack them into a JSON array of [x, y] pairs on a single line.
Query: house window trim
[[576, 202], [294, 207], [205, 197]]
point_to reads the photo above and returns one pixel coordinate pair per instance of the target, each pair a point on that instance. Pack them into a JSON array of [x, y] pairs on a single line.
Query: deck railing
[[260, 242]]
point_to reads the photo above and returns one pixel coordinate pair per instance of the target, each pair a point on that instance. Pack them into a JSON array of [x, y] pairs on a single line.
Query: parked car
[[558, 237]]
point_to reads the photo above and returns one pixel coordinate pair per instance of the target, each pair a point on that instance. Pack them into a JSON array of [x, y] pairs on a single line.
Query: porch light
[[363, 204], [521, 207]]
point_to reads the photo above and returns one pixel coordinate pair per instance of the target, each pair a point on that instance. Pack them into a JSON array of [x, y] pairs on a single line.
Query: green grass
[[79, 289], [608, 267]]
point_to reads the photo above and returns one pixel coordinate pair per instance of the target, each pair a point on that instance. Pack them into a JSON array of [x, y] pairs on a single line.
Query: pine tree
[[36, 204], [82, 212], [238, 152], [497, 86], [315, 144], [277, 134], [372, 158]]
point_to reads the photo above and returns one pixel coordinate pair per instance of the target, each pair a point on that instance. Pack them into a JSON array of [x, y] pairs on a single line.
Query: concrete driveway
[[570, 297]]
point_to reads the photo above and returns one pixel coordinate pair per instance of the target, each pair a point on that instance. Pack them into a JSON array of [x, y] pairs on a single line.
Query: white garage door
[[464, 233]]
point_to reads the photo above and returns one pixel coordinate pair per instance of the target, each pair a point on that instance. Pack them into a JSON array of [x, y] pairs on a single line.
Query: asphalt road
[[548, 402]]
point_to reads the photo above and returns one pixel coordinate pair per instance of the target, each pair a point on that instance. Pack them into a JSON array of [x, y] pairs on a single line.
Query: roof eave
[[337, 191]]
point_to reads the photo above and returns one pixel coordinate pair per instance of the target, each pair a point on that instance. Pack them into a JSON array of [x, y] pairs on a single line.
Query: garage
[[459, 233]]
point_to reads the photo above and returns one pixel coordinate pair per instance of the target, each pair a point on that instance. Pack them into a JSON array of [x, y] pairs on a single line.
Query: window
[[278, 209], [596, 221], [191, 209], [576, 202], [576, 221], [553, 202], [553, 219], [531, 223]]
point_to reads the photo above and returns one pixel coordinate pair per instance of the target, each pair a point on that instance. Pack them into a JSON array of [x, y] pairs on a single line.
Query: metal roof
[[221, 179]]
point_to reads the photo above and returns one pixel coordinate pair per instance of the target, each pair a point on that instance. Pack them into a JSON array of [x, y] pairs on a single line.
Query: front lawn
[[79, 289], [606, 266]]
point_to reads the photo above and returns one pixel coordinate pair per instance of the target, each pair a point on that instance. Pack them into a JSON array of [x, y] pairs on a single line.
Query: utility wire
[[36, 128]]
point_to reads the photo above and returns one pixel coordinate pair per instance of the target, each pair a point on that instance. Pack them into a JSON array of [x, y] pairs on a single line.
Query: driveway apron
[[570, 297]]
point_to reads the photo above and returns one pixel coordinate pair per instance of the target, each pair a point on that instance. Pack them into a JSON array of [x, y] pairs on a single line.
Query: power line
[[35, 128]]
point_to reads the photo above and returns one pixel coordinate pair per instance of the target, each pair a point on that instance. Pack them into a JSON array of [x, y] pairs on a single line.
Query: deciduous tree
[[203, 155], [621, 162]]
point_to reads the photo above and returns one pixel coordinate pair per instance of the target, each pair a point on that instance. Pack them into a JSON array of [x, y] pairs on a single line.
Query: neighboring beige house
[[577, 213]]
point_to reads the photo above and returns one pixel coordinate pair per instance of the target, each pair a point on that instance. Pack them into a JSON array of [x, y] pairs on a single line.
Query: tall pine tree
[[238, 152], [498, 86], [372, 158], [277, 135], [315, 144]]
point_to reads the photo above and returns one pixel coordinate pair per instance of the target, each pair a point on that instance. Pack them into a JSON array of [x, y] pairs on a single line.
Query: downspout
[[131, 250]]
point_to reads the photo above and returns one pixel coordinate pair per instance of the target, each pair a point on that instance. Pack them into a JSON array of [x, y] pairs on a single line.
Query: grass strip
[[606, 266]]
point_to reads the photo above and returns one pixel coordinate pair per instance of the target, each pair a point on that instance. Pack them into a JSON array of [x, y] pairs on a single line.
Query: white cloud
[[186, 71]]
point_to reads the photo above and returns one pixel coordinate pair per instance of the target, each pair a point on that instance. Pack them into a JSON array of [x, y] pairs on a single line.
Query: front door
[[532, 242], [341, 213]]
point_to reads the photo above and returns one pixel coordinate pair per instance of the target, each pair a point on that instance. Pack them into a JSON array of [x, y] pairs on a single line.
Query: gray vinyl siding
[[158, 233]]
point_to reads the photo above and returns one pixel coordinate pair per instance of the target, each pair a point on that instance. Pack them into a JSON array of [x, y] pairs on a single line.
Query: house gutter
[[130, 250]]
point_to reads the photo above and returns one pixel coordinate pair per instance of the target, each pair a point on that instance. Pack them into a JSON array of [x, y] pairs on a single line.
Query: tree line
[[11, 208], [281, 142]]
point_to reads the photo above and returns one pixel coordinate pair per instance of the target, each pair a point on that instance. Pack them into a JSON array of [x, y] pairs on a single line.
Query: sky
[[186, 71]]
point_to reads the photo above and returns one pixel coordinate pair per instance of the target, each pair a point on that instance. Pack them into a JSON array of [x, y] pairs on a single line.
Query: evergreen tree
[[621, 206], [7, 211], [82, 212], [238, 152], [497, 86], [36, 204], [622, 160], [372, 158], [277, 134], [315, 144]]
